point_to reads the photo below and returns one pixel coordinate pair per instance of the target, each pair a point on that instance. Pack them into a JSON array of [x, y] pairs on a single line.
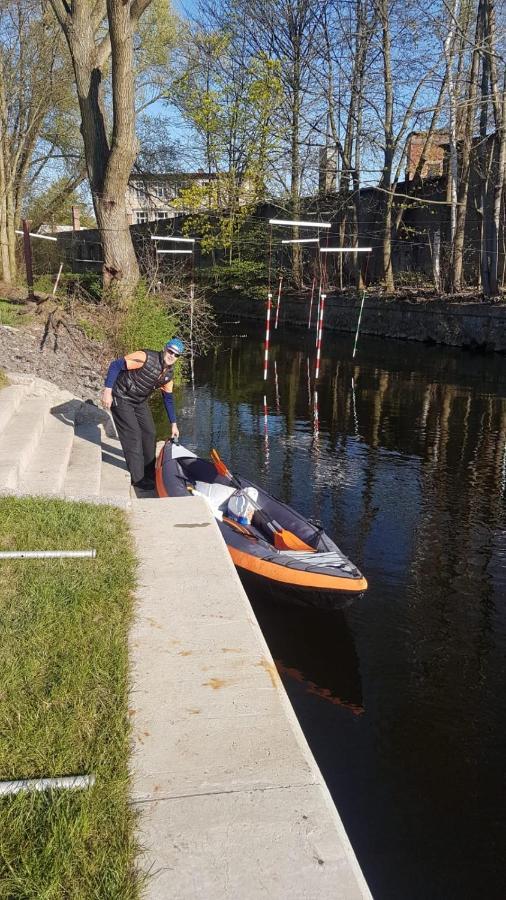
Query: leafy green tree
[[54, 206], [230, 99]]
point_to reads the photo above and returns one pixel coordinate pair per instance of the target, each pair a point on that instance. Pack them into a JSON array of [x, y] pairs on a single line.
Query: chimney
[[76, 219], [327, 169]]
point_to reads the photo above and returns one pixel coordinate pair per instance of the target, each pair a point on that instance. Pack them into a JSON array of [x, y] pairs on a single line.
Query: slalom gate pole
[[318, 311], [311, 303], [192, 298], [267, 335], [316, 417], [266, 430], [278, 303], [57, 279], [358, 325], [319, 338], [276, 384]]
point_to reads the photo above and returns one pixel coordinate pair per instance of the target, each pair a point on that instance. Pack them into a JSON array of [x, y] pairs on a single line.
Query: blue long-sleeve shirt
[[132, 361]]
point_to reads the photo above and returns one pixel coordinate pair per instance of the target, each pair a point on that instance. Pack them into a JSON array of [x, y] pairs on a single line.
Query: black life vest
[[136, 385]]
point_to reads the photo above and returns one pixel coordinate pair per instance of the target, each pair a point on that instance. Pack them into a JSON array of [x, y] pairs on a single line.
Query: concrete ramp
[[232, 802]]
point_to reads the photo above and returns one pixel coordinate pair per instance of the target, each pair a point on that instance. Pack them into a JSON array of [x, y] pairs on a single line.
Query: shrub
[[146, 323], [244, 275]]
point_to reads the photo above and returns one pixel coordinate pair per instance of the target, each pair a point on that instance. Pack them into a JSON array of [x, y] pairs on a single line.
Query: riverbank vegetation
[[64, 677], [388, 124]]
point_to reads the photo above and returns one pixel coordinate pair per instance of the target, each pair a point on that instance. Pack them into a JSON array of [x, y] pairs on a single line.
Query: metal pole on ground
[[65, 782], [48, 554]]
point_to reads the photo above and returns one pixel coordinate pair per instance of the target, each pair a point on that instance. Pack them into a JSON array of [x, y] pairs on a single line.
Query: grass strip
[[13, 314], [63, 702]]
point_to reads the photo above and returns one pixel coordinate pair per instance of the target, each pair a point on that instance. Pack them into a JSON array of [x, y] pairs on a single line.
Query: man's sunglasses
[[173, 353]]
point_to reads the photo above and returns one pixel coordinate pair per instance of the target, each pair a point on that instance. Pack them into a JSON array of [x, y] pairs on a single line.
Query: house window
[[141, 216], [161, 214], [160, 190], [138, 190]]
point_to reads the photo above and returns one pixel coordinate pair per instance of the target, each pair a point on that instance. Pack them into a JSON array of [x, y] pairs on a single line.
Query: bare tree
[[287, 32], [355, 38], [491, 153], [95, 34], [466, 144], [33, 87]]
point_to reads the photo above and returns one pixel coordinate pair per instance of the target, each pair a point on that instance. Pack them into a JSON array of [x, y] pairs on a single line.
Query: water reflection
[[312, 647], [401, 457]]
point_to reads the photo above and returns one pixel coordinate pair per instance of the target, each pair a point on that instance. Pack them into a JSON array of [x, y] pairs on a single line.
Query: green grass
[[63, 702], [13, 314], [4, 381]]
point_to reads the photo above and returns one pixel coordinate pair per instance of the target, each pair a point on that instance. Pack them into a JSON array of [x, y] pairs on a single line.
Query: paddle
[[219, 515], [283, 539]]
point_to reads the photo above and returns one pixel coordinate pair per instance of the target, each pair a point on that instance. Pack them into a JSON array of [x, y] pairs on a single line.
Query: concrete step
[[82, 480], [115, 477], [48, 468], [10, 398], [20, 439]]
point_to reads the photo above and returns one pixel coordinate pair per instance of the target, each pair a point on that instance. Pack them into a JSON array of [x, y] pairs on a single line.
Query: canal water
[[402, 695]]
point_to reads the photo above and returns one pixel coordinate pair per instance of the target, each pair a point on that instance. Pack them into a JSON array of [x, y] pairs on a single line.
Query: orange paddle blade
[[219, 464], [287, 540]]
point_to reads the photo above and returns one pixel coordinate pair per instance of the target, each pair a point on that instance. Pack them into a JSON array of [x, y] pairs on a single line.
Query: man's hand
[[107, 398], [175, 431]]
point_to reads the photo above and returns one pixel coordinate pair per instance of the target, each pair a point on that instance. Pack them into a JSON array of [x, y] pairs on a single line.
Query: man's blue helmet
[[176, 345]]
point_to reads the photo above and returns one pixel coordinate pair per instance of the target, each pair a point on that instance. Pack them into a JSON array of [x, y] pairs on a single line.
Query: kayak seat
[[259, 522], [217, 494]]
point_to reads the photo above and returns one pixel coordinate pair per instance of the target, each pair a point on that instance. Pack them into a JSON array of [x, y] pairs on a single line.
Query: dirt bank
[[54, 347]]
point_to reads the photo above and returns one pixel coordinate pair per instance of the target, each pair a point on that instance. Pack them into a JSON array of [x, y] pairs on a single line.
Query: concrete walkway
[[231, 803]]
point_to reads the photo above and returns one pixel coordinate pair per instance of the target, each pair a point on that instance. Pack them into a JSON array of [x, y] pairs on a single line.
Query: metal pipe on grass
[[48, 554], [65, 782]]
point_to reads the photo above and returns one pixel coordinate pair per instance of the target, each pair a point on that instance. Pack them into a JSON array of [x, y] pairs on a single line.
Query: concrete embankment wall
[[470, 325]]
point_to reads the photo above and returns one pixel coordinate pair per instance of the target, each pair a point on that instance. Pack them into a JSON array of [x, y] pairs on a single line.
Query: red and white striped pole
[[316, 416], [267, 335], [319, 338], [311, 303], [276, 385], [266, 430], [278, 303], [318, 312]]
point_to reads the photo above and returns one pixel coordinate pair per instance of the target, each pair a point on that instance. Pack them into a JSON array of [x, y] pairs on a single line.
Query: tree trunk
[[109, 164], [389, 147], [467, 144], [295, 179], [388, 272], [498, 196], [449, 46], [4, 242]]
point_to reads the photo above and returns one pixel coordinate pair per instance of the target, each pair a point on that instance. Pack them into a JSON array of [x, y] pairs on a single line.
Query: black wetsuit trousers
[[137, 435]]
